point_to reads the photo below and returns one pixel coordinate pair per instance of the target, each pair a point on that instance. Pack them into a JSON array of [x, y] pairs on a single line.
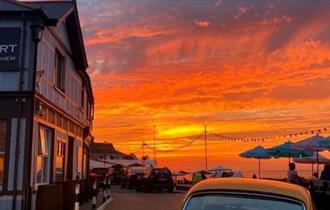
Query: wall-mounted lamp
[[36, 31], [39, 109]]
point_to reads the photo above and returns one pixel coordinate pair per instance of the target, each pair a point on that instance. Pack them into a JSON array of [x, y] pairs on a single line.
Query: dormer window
[[60, 70]]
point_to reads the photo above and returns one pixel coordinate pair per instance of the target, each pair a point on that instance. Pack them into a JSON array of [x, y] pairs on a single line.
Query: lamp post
[[205, 145], [154, 136], [104, 155]]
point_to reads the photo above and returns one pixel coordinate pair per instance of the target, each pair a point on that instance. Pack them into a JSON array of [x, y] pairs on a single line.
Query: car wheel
[[147, 188]]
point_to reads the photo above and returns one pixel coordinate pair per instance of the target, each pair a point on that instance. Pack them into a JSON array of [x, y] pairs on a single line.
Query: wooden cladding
[[58, 120]]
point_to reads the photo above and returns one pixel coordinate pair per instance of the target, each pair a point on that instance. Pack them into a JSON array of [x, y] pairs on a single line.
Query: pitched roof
[[53, 9], [105, 148], [11, 5]]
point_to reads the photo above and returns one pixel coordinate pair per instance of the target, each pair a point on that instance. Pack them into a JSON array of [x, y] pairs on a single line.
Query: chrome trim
[[244, 193]]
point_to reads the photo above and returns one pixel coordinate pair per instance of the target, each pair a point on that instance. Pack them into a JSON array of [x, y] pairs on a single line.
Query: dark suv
[[133, 175], [158, 179]]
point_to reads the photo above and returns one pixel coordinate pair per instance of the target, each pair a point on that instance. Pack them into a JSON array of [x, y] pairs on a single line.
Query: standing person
[[197, 177], [203, 175], [325, 174]]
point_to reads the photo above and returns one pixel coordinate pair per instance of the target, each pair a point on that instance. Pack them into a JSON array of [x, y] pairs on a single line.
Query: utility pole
[[143, 144], [154, 136], [104, 154], [205, 142]]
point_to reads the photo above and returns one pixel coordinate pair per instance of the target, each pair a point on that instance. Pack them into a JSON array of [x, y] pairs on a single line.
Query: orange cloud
[[202, 23], [261, 74]]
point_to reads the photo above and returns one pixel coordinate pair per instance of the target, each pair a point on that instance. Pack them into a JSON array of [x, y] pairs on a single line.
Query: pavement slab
[[131, 200]]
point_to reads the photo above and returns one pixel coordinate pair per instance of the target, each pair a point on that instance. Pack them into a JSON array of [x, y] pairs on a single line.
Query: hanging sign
[[10, 41]]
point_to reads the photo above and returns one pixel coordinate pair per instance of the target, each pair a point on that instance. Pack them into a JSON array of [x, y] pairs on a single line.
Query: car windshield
[[240, 202]]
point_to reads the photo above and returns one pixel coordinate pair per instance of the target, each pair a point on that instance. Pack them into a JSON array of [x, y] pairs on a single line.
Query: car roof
[[254, 185]]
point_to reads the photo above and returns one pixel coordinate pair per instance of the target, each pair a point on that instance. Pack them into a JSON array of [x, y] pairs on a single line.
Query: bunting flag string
[[189, 143], [221, 137], [266, 138]]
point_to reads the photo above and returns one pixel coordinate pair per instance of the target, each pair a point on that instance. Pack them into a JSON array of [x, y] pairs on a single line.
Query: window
[[85, 163], [82, 99], [43, 156], [79, 160], [60, 70], [59, 161], [3, 132], [214, 201]]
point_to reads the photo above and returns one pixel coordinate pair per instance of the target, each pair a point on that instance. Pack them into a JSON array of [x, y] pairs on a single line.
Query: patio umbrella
[[258, 153], [287, 150], [312, 160], [316, 144]]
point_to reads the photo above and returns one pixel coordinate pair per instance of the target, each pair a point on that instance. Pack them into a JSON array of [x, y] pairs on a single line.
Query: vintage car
[[246, 194]]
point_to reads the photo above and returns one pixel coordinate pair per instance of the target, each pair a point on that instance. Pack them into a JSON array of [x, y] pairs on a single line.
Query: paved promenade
[[131, 200]]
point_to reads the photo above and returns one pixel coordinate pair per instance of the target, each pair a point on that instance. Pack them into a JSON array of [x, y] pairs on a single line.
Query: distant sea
[[277, 174]]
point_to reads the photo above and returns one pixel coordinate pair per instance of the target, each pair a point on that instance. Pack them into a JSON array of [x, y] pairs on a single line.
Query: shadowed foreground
[[131, 200]]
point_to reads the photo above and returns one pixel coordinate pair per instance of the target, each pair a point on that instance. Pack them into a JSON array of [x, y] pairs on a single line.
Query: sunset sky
[[243, 68]]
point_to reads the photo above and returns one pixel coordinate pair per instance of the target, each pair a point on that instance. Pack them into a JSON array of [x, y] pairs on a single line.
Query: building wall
[[61, 112], [9, 80], [8, 112], [12, 94], [70, 100]]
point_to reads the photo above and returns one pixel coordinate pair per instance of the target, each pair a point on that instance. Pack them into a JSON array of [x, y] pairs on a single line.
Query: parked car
[[100, 172], [246, 194], [118, 173], [133, 174], [156, 179]]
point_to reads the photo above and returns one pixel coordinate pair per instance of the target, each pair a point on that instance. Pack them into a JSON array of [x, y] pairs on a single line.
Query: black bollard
[[104, 189], [94, 194], [77, 191], [108, 186]]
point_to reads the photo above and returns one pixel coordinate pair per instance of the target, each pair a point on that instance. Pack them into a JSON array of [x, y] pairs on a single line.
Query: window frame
[[85, 164], [4, 184], [59, 73], [79, 160], [62, 154], [82, 96], [49, 155]]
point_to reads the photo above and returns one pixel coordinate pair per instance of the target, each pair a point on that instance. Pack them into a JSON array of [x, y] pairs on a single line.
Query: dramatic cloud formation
[[243, 68]]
